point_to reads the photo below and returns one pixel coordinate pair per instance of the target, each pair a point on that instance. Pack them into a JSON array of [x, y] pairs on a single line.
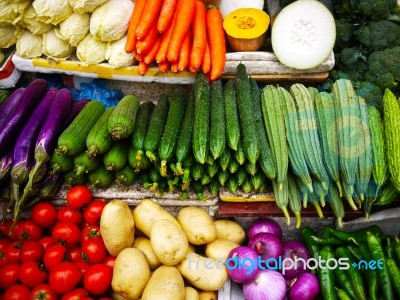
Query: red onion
[[267, 246], [265, 226], [268, 285], [242, 264], [305, 287], [294, 259]]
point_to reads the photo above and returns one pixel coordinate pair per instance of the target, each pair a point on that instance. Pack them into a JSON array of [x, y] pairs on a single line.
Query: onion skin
[[267, 246], [305, 287], [293, 249], [236, 259], [268, 284], [266, 226]]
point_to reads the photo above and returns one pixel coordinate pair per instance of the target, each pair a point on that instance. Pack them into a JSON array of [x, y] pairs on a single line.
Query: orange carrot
[[216, 41], [144, 46], [166, 14], [166, 37], [199, 36], [138, 57], [163, 66], [151, 55], [149, 17], [130, 45], [206, 63], [186, 9], [174, 67], [142, 68], [184, 53]]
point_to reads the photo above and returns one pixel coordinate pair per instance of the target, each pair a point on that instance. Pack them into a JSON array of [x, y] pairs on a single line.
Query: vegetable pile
[[366, 266], [57, 253]]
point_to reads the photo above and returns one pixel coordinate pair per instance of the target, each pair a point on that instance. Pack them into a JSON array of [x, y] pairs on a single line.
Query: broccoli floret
[[377, 9], [380, 35], [384, 68], [344, 33], [370, 92]]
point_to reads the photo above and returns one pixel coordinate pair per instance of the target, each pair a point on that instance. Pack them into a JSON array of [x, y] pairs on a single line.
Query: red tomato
[[31, 250], [28, 230], [4, 243], [47, 241], [82, 265], [3, 259], [92, 212], [66, 233], [69, 214], [9, 275], [17, 292], [32, 274], [90, 232], [13, 251], [79, 196], [44, 214], [75, 294], [55, 255], [43, 292], [97, 280], [94, 250], [64, 277], [14, 234], [75, 254], [109, 261], [5, 229]]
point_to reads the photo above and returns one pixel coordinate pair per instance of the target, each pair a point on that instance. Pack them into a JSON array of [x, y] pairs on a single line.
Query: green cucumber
[[84, 164], [101, 178], [217, 126], [231, 115], [126, 176], [121, 123], [142, 126], [117, 156]]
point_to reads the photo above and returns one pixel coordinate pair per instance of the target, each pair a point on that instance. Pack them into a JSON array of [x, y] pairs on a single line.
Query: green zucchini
[[201, 127], [336, 204], [138, 165], [294, 199], [364, 151], [172, 128], [126, 176], [99, 140], [222, 177], [117, 156], [156, 127], [247, 185], [231, 115], [84, 164], [308, 130], [388, 195], [266, 160], [61, 163], [239, 155], [232, 184], [246, 114], [209, 160], [391, 113], [241, 176], [71, 179], [282, 197], [184, 145], [142, 126], [251, 168], [101, 178], [326, 117], [217, 126], [224, 159], [320, 192], [205, 179], [293, 134], [304, 191], [275, 126], [197, 170], [212, 169], [198, 189], [257, 180], [213, 186], [73, 139], [121, 123], [233, 166]]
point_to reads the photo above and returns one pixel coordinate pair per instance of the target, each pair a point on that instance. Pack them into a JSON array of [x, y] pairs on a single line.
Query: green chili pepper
[[344, 283], [353, 274], [371, 274], [394, 273], [359, 236], [331, 241], [389, 248], [307, 233], [325, 276], [342, 295], [376, 250], [355, 253], [397, 249]]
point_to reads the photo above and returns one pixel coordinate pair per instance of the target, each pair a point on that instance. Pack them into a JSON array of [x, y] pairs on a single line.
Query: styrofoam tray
[[9, 74]]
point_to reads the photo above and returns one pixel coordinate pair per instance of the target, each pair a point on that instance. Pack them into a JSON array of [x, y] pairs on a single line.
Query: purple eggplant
[[76, 109], [49, 133], [49, 188], [23, 159], [9, 105], [33, 93], [6, 165]]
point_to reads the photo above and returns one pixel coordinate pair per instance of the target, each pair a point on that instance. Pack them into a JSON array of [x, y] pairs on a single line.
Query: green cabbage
[[74, 28], [31, 21], [110, 21], [52, 11], [11, 12], [82, 6], [91, 51], [29, 45], [56, 48], [9, 35], [117, 56]]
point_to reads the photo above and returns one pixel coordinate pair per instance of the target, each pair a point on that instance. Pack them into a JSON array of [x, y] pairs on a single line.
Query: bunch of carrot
[[177, 35]]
